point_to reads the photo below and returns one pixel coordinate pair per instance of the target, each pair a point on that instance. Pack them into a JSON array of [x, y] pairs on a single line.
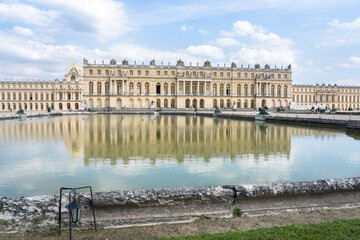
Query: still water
[[122, 152]]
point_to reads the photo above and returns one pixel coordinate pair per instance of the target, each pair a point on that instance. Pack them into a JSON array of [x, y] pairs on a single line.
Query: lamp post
[[74, 207]]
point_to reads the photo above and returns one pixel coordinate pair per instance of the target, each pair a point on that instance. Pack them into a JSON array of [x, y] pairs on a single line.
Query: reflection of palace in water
[[109, 138]]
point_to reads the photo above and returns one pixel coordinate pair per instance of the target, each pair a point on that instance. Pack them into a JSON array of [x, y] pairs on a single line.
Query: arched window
[[201, 88], [165, 89], [165, 103], [252, 91], [73, 78], [131, 87], [107, 88], [158, 103], [173, 103], [138, 88], [14, 96], [221, 89], [47, 96], [214, 90], [278, 90], [194, 88], [158, 88], [285, 91], [221, 103], [187, 88], [238, 89], [228, 89], [98, 90], [214, 103], [272, 90], [246, 89], [173, 88], [25, 96], [36, 96], [41, 96], [118, 87], [147, 89], [19, 95]]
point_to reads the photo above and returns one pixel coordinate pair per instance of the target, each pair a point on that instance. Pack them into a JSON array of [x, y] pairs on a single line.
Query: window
[[118, 87], [91, 88], [131, 72], [91, 72], [119, 72], [221, 74], [131, 88], [165, 73], [228, 74], [106, 72], [187, 88], [172, 73], [252, 90], [138, 86], [158, 73], [245, 75], [98, 88], [238, 90], [252, 75], [239, 75], [147, 88], [146, 72], [166, 88], [279, 76], [246, 90], [221, 89], [214, 89], [228, 89], [187, 73], [173, 88], [98, 72], [158, 88], [107, 88], [201, 88], [214, 74], [139, 72], [285, 76]]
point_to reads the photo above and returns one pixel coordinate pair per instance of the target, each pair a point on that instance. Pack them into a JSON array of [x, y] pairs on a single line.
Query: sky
[[320, 38]]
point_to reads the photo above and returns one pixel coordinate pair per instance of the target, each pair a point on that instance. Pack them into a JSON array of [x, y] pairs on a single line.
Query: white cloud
[[105, 19], [206, 51], [226, 42], [186, 28], [347, 82], [17, 12], [262, 46], [202, 31], [22, 31], [354, 25], [354, 62]]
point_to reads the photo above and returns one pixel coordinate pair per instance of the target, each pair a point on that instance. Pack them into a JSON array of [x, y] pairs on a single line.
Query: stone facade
[[124, 85], [341, 97], [141, 86], [40, 95]]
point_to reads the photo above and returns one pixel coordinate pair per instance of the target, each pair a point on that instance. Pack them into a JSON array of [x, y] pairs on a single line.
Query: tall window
[[221, 89], [252, 91], [158, 88], [118, 87], [107, 88], [285, 91], [238, 89], [173, 88], [214, 89], [138, 86], [91, 88], [147, 88], [246, 89], [278, 90], [272, 90], [201, 88], [98, 88], [131, 87], [187, 88], [166, 88], [228, 89], [194, 88]]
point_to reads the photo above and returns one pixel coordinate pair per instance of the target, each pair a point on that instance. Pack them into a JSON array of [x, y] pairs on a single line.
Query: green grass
[[344, 229]]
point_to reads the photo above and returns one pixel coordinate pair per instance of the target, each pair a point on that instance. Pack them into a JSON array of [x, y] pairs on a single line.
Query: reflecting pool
[[121, 152]]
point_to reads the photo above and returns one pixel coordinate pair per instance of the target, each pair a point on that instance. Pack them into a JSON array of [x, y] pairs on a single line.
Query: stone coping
[[150, 206]]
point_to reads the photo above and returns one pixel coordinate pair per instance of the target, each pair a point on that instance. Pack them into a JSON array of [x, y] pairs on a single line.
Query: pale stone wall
[[341, 97], [135, 86]]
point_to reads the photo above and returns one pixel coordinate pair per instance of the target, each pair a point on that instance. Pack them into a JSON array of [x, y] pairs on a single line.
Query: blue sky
[[321, 39]]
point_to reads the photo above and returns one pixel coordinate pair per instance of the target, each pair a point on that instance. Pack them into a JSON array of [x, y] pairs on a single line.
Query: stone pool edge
[[142, 207]]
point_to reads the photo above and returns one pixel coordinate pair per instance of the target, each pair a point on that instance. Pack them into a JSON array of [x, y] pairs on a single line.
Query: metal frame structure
[[73, 190]]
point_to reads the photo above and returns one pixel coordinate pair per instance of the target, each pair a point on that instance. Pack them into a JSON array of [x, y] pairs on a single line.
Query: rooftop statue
[[152, 62], [179, 63], [125, 62], [112, 62], [233, 65], [207, 63]]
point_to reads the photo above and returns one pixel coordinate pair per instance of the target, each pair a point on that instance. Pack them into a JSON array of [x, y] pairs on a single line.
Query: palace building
[[124, 85]]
